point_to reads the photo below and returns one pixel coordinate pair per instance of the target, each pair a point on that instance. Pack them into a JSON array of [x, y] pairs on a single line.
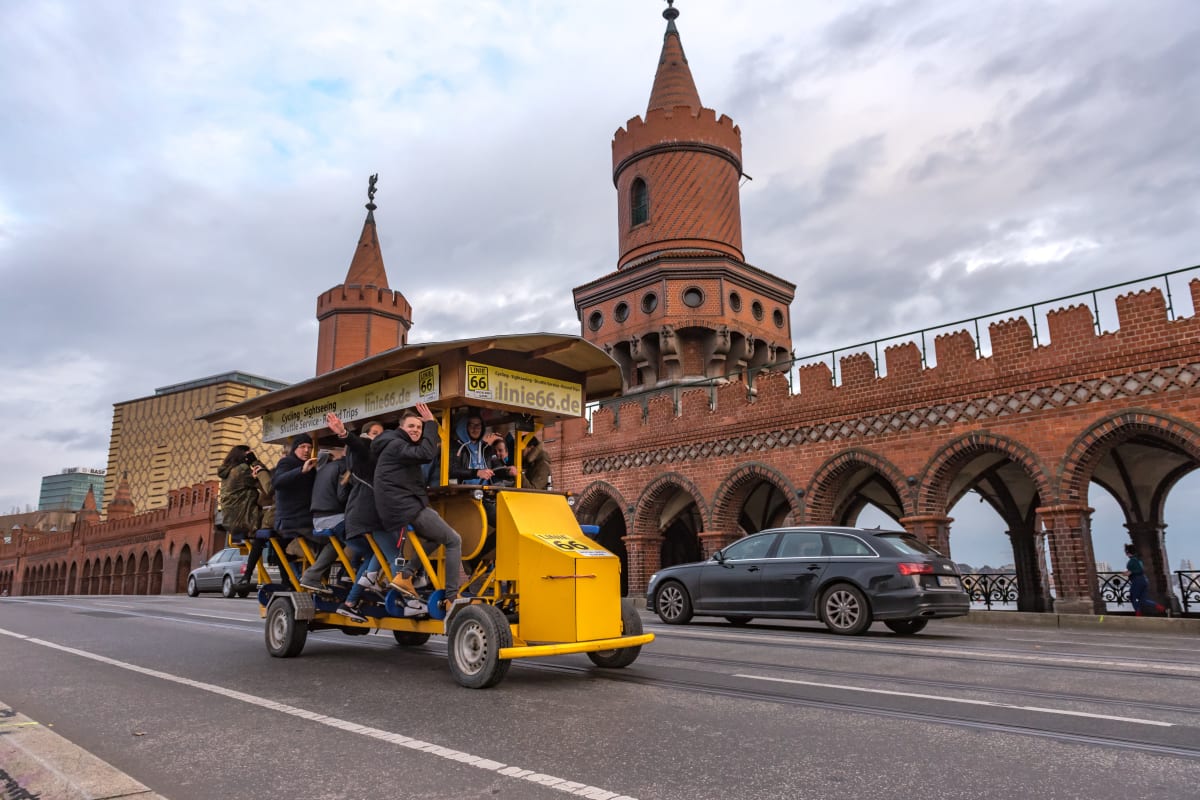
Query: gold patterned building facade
[[158, 444]]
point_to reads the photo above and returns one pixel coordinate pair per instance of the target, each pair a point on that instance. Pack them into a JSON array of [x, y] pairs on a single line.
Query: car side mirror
[[719, 557]]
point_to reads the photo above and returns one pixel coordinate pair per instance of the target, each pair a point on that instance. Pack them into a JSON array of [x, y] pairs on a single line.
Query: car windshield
[[907, 543]]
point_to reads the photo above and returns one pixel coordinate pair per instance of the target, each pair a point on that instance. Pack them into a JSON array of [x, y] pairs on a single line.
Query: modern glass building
[[66, 490]]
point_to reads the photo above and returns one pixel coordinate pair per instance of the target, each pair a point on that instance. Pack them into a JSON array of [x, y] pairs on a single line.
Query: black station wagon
[[845, 577]]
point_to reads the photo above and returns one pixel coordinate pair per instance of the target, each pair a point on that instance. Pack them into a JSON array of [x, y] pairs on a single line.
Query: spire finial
[[371, 191], [672, 12]]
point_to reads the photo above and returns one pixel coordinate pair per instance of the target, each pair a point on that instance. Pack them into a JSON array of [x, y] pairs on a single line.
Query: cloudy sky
[[180, 180]]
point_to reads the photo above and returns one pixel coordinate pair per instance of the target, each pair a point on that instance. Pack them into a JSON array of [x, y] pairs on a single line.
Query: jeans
[[370, 566], [1138, 586], [431, 527]]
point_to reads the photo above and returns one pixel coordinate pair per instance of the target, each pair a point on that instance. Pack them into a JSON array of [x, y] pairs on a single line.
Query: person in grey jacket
[[329, 495]]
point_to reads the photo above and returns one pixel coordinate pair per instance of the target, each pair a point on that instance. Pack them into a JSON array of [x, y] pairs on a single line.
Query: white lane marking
[[963, 700], [550, 781], [933, 650]]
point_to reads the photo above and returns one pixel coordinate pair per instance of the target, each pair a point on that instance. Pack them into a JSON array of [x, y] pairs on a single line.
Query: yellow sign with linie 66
[[521, 389]]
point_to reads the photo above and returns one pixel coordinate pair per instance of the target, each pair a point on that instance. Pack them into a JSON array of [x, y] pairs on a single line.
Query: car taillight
[[243, 569], [915, 568]]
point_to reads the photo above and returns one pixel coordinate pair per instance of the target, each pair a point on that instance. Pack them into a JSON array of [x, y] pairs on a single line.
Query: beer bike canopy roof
[[543, 375]]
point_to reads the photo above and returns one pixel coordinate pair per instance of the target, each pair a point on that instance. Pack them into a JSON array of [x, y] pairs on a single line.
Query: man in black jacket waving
[[401, 499]]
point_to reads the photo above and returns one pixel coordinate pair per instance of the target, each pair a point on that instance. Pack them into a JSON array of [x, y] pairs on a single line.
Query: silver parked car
[[220, 573]]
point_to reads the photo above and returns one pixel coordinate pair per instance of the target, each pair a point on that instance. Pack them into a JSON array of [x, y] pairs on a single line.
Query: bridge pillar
[[1033, 590], [1150, 540], [644, 554], [712, 541], [932, 529], [1068, 528]]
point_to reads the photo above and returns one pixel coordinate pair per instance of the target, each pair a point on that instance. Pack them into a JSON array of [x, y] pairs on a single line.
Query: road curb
[[35, 762], [1115, 622]]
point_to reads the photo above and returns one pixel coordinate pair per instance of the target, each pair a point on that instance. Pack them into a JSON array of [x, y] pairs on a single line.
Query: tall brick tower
[[683, 304], [361, 316]]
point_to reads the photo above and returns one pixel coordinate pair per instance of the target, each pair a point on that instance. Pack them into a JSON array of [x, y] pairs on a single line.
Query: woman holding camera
[[240, 509]]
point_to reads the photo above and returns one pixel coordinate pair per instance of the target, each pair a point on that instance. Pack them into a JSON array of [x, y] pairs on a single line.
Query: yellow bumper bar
[[535, 650]]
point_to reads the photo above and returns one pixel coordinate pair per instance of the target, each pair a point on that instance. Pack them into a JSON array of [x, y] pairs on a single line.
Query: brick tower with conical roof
[[683, 304], [361, 316]]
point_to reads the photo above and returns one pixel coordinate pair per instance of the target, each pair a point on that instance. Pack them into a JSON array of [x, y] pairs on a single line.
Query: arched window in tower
[[639, 202]]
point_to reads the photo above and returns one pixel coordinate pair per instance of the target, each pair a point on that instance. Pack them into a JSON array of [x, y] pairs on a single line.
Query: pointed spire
[[673, 84], [121, 505], [89, 513], [366, 268]]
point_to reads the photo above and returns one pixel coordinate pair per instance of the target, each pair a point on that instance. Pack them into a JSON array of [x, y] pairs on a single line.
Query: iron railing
[[1000, 588]]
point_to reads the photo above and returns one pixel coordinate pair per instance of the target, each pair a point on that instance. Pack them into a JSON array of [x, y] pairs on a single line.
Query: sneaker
[[447, 603], [350, 613], [313, 586], [404, 585]]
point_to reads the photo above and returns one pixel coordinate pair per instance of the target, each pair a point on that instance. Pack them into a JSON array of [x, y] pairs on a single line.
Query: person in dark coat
[[402, 500], [293, 481], [1139, 584], [329, 496], [362, 518]]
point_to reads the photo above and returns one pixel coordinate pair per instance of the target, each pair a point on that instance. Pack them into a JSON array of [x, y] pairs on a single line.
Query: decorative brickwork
[[936, 479]]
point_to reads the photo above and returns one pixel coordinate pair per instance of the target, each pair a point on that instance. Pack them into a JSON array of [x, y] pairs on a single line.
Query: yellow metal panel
[[569, 588]]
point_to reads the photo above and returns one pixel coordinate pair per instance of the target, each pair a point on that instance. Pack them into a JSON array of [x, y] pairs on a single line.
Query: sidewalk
[[37, 763]]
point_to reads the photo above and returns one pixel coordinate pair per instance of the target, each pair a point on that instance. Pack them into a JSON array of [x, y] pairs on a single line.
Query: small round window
[[693, 297], [735, 301], [649, 302], [756, 309], [778, 317], [595, 320], [621, 312]]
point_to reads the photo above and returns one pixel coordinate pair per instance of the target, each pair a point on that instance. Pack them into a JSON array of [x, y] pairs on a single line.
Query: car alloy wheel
[[672, 603], [845, 610]]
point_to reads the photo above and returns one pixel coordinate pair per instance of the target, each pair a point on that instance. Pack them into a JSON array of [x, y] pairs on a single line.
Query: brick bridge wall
[[1052, 409], [152, 549]]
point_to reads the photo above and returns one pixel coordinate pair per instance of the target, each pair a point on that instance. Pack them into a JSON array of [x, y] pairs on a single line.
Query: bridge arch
[[1013, 482], [842, 486], [1137, 457], [601, 504], [752, 498], [673, 508]]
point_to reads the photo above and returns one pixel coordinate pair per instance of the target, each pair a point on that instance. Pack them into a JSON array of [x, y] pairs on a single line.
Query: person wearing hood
[[470, 462], [536, 465], [240, 512]]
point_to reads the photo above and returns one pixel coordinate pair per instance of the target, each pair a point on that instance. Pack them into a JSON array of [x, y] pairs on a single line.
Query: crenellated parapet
[[678, 127], [362, 298], [1074, 351]]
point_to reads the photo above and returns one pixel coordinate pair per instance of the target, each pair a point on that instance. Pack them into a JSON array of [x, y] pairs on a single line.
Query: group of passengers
[[374, 485]]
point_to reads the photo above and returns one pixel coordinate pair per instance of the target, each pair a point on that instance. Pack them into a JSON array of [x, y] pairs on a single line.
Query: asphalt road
[[180, 694]]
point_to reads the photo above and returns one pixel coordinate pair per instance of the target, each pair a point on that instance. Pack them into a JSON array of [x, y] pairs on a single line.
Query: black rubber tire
[[354, 631], [410, 638], [844, 610], [243, 593], [284, 633], [477, 634], [227, 589], [906, 627], [672, 604], [631, 625], [738, 621], [192, 589]]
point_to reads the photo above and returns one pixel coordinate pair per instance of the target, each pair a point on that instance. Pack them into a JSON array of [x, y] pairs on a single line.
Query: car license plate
[[947, 581]]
